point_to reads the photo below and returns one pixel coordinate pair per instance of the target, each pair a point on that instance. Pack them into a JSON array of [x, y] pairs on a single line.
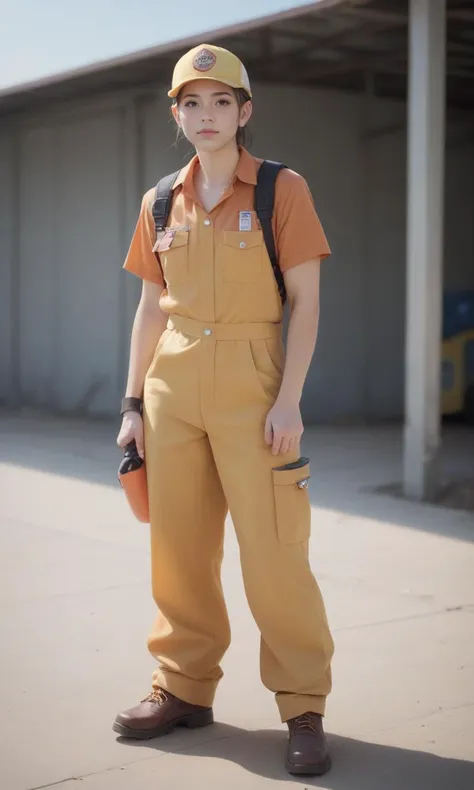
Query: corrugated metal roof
[[345, 45], [165, 47]]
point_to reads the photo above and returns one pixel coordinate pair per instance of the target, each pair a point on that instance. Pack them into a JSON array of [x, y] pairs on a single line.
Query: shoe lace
[[307, 721], [157, 695]]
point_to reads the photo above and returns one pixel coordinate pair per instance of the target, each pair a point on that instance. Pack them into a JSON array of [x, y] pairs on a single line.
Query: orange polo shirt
[[298, 233]]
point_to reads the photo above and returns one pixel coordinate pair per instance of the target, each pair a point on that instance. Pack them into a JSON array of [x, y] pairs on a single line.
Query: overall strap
[[264, 203], [162, 202]]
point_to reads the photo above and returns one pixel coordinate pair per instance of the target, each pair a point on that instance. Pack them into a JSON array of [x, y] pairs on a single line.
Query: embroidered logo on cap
[[204, 60]]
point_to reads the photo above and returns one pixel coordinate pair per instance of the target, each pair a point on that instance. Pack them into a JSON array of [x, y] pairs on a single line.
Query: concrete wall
[[82, 172], [8, 257]]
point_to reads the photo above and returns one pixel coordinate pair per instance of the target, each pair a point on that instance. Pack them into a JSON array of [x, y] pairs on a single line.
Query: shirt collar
[[245, 171], [186, 174], [246, 168]]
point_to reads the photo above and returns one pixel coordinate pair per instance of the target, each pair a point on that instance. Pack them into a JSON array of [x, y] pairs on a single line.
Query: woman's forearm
[[148, 327], [301, 342]]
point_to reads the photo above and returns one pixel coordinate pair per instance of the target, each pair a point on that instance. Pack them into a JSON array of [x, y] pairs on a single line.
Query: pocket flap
[[250, 238], [292, 473], [181, 237], [170, 239]]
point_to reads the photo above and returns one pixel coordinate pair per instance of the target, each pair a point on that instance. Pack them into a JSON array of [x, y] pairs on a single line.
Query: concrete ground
[[398, 580]]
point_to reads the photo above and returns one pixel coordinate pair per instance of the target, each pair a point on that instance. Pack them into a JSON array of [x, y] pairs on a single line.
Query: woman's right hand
[[132, 429]]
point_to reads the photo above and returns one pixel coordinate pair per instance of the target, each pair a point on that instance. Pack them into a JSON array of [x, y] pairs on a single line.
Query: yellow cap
[[207, 62]]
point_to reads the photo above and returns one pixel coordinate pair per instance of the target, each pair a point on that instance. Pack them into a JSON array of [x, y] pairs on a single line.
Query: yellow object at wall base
[[455, 373]]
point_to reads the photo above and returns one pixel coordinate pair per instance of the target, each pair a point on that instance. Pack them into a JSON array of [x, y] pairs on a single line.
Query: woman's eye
[[223, 102], [190, 103]]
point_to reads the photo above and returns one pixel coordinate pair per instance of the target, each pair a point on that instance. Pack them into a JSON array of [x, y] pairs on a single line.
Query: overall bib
[[215, 375]]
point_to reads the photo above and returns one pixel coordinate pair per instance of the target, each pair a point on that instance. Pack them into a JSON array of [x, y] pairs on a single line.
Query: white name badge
[[245, 220]]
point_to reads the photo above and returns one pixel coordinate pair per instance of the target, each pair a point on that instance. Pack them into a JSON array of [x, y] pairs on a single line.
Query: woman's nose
[[207, 114]]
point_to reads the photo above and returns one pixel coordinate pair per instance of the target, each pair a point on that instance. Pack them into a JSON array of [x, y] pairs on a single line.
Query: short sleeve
[[141, 260], [298, 232]]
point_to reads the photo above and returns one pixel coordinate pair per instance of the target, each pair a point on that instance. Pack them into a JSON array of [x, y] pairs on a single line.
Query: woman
[[221, 422]]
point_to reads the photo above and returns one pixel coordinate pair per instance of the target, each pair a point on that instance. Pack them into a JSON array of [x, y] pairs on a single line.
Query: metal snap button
[[208, 331], [302, 484], [242, 245], [207, 221]]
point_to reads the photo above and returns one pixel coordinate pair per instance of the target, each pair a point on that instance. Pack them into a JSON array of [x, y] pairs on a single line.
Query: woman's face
[[209, 115]]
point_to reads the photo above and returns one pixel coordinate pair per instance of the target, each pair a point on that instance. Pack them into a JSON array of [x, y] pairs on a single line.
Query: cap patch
[[204, 60]]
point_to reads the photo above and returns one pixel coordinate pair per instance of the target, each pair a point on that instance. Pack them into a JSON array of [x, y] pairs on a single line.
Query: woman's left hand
[[283, 427]]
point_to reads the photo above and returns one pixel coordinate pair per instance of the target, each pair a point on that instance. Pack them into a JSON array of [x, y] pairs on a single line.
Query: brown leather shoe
[[308, 752], [158, 714]]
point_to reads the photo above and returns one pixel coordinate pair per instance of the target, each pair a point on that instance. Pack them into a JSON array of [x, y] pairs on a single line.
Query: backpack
[[264, 202]]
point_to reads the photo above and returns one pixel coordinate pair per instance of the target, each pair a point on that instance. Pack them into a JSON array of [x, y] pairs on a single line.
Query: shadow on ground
[[349, 465], [357, 765]]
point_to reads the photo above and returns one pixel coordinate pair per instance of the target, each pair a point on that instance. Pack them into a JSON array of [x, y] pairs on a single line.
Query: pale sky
[[43, 37]]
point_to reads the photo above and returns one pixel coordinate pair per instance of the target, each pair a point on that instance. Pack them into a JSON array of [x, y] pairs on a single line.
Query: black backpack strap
[[264, 202], [162, 202]]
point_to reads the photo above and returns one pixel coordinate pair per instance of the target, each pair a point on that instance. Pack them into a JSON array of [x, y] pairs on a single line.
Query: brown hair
[[243, 136]]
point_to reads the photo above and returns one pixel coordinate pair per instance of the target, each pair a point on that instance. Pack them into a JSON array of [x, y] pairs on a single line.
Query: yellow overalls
[[214, 377]]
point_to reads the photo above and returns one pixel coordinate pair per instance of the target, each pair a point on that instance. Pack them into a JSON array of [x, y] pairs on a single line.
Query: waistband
[[260, 331]]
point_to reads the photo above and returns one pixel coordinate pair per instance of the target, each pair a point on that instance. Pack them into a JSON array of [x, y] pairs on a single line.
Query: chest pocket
[[242, 253], [172, 248]]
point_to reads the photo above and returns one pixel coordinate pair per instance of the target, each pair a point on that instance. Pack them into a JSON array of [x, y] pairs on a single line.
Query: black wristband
[[131, 404]]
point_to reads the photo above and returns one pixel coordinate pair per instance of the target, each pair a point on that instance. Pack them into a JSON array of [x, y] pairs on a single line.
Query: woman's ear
[[245, 113], [175, 111]]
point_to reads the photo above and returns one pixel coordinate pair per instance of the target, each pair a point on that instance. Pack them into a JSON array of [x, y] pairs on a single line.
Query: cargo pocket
[[292, 505], [172, 248], [242, 256]]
